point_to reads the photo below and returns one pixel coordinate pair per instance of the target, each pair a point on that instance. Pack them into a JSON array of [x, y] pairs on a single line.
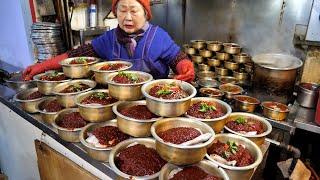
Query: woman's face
[[131, 15]]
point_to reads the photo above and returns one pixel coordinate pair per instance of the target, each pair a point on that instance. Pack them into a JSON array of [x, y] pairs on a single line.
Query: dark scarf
[[130, 40]]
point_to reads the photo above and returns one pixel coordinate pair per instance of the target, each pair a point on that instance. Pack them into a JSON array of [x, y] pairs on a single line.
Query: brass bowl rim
[[231, 45], [239, 73], [90, 83], [112, 122], [197, 56], [36, 78], [66, 61], [274, 110], [258, 159], [235, 97], [256, 117], [230, 84], [231, 63], [208, 99], [198, 41], [183, 119], [214, 89], [214, 42], [120, 145], [54, 124], [217, 53], [158, 81], [16, 96], [242, 54], [213, 59], [140, 102], [147, 75], [94, 67], [90, 106], [204, 51], [220, 68], [49, 98], [214, 82]]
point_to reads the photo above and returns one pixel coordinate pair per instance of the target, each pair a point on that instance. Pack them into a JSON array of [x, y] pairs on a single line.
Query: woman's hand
[[185, 70]]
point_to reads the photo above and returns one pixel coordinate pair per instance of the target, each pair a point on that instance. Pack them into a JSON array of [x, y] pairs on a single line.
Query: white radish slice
[[200, 139]]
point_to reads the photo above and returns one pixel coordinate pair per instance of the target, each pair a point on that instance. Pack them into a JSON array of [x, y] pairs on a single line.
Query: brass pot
[[216, 124], [205, 53], [241, 76], [95, 112], [197, 59], [223, 56], [221, 71], [231, 65], [77, 70], [245, 103], [167, 107], [241, 58], [68, 99], [214, 45], [230, 90], [275, 113], [203, 67], [131, 126], [97, 153], [148, 142], [189, 49], [227, 79], [46, 87], [211, 92], [100, 76], [205, 165], [179, 154], [257, 139], [69, 135], [29, 106], [244, 172], [198, 44], [213, 62], [231, 48], [47, 117], [127, 92], [205, 74]]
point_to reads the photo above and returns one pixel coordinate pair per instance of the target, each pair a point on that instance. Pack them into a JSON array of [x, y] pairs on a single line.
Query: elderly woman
[[148, 47]]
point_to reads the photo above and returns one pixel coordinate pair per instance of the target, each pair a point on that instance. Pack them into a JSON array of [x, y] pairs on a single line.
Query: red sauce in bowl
[[192, 173], [53, 77], [52, 106], [205, 110], [111, 67], [231, 88], [276, 106], [81, 61], [71, 121], [127, 78], [212, 92], [179, 135], [247, 99], [139, 160], [34, 95], [75, 88], [245, 124], [109, 135], [168, 91], [99, 98], [140, 112]]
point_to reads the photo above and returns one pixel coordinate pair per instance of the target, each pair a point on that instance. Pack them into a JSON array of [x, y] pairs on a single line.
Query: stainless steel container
[[308, 94]]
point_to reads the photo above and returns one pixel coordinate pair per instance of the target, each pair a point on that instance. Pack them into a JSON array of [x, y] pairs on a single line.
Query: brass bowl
[[214, 45], [244, 172], [213, 62], [77, 70], [16, 82], [228, 90], [231, 48], [100, 76], [241, 76], [211, 92], [276, 114], [205, 53], [47, 117], [223, 56], [231, 65], [198, 44], [131, 126], [148, 142], [257, 139], [216, 124], [197, 59], [207, 82], [205, 74], [46, 87], [241, 58], [245, 103], [29, 106], [179, 154], [127, 92], [221, 71], [68, 99], [97, 153], [168, 107], [205, 165], [94, 112], [203, 67], [189, 49], [69, 135], [227, 79]]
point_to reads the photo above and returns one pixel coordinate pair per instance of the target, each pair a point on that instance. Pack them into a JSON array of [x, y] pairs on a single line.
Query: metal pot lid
[[277, 61]]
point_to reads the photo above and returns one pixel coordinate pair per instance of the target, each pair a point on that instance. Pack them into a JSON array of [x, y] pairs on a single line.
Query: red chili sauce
[[81, 61], [127, 78], [34, 95], [99, 98], [212, 92], [276, 106], [140, 112], [205, 110], [168, 91], [179, 135], [53, 77], [245, 124], [75, 88], [247, 99], [138, 160], [230, 151], [109, 135], [71, 121], [111, 67], [192, 173], [52, 106]]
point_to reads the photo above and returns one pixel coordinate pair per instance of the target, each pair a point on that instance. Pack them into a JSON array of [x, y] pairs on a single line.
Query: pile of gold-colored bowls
[[234, 172], [168, 107], [223, 56], [258, 139], [189, 49], [214, 45], [275, 110], [78, 70], [216, 123], [46, 87], [245, 103], [100, 76], [94, 112], [29, 106], [219, 70], [68, 99], [127, 92], [47, 117], [205, 53], [211, 92], [181, 154], [131, 126], [197, 59], [231, 65], [203, 67], [213, 62]]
